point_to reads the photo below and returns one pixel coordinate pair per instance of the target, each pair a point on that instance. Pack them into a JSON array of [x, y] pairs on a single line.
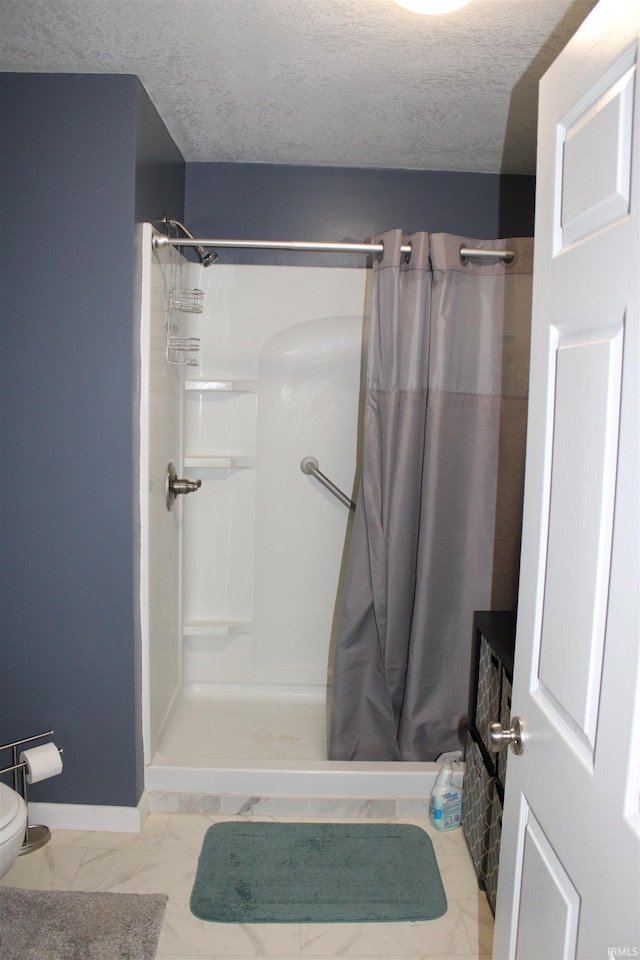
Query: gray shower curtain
[[436, 532]]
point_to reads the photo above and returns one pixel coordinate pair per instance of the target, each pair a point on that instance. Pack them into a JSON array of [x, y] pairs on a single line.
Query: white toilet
[[13, 823]]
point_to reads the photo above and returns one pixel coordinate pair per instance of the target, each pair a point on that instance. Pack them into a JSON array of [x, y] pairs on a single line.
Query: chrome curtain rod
[[160, 241]]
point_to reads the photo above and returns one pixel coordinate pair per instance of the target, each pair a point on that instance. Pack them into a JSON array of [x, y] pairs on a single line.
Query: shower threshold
[[250, 742]]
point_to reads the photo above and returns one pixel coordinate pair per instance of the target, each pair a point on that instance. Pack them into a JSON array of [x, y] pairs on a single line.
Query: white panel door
[[570, 858]]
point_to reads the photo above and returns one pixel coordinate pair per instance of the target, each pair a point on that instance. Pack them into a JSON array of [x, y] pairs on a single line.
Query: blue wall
[[160, 169], [70, 185], [278, 202]]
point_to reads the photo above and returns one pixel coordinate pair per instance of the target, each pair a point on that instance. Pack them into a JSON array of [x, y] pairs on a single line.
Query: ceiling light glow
[[432, 6]]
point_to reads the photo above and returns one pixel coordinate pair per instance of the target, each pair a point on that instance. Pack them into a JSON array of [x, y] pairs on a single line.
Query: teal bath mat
[[316, 873]]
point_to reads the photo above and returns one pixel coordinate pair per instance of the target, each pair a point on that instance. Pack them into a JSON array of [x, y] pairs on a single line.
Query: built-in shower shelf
[[216, 628], [221, 463], [221, 386]]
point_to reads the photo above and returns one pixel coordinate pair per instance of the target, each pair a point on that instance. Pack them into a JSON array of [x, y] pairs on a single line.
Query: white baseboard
[[82, 816]]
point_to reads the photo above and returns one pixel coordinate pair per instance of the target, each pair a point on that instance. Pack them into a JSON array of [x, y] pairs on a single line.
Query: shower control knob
[[175, 487], [185, 486]]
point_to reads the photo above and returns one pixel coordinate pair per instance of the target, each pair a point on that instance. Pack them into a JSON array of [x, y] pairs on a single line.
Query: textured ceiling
[[329, 82]]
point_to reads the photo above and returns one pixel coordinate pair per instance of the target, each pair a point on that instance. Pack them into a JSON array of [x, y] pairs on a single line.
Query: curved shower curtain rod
[[465, 253]]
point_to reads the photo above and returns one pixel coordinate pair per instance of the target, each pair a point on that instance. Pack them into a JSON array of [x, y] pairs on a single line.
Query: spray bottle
[[445, 803]]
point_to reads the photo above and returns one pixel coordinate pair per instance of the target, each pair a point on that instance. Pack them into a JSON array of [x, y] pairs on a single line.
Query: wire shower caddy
[[182, 300]]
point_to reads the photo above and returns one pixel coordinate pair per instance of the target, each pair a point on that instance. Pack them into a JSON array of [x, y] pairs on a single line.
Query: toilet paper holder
[[35, 835]]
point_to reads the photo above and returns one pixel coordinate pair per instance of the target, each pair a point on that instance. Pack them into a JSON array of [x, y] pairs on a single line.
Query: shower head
[[207, 257]]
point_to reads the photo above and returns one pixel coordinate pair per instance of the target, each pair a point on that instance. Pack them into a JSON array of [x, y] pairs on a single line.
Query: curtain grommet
[[407, 256], [380, 253]]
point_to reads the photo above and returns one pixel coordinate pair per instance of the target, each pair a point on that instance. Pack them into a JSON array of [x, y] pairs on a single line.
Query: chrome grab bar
[[310, 465]]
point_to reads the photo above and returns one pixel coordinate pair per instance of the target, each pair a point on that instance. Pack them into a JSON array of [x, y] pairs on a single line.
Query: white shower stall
[[244, 372]]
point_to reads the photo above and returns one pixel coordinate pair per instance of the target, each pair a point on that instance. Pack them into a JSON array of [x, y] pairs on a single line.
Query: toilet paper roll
[[42, 762]]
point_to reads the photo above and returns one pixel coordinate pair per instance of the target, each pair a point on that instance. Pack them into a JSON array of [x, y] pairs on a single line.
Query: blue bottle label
[[445, 812]]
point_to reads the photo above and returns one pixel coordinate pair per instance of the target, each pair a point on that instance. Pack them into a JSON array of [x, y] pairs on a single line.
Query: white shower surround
[[239, 581]]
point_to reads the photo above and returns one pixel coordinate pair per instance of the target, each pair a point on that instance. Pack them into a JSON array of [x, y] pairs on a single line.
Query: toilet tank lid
[[10, 805]]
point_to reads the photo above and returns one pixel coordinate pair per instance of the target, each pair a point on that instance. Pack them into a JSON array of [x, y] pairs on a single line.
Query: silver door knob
[[175, 486], [515, 737]]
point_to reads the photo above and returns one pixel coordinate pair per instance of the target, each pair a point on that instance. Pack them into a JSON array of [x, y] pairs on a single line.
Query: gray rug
[[317, 873], [70, 925]]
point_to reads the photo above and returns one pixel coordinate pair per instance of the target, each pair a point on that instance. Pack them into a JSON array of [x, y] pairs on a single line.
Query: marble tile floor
[[163, 859]]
